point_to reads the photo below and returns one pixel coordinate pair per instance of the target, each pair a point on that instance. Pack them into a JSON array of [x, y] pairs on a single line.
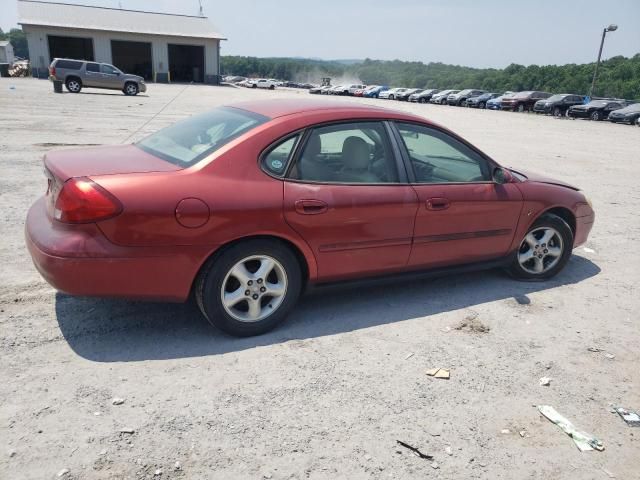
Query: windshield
[[522, 94], [631, 108], [465, 92], [187, 142], [556, 98]]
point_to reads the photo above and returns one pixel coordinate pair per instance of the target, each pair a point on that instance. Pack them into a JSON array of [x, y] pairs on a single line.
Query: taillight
[[52, 71], [81, 200]]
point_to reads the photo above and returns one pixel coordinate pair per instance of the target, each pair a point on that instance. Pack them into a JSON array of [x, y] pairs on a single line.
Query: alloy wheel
[[74, 86], [540, 250], [131, 89], [254, 288]]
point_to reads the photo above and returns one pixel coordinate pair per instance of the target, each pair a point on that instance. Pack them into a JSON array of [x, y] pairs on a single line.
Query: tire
[[482, 105], [520, 108], [596, 116], [272, 87], [130, 89], [391, 97], [73, 84], [422, 100], [217, 279], [534, 253], [557, 112]]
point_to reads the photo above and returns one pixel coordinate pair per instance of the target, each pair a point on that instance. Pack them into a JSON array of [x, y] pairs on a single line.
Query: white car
[[351, 89], [392, 93], [264, 83], [337, 90]]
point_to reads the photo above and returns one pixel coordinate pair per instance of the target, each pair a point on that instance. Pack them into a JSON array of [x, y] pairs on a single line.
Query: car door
[[346, 196], [110, 77], [463, 216], [92, 76]]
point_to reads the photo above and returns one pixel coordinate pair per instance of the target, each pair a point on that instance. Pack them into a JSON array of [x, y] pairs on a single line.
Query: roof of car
[[280, 108]]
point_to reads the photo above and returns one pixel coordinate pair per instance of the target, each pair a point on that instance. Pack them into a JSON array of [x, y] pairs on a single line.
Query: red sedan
[[247, 204]]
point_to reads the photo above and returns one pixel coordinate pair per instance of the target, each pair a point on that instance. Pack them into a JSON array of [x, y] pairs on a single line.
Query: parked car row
[[563, 104]]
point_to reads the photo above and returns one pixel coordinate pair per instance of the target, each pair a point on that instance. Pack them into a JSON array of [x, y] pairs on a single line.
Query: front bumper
[[80, 260], [142, 87], [583, 228]]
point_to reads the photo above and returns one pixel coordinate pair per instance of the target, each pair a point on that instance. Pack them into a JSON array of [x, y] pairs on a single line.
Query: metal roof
[[65, 15]]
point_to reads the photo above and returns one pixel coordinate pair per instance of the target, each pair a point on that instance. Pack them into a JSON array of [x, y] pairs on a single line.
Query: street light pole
[[610, 28]]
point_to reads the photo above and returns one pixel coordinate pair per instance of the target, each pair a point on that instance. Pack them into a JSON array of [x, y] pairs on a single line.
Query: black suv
[[595, 109], [558, 104]]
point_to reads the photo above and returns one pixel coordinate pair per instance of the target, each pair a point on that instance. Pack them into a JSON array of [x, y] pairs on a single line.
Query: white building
[[6, 52], [158, 46]]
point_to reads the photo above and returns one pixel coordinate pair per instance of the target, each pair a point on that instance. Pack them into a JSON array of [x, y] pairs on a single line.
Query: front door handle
[[311, 207], [437, 203]]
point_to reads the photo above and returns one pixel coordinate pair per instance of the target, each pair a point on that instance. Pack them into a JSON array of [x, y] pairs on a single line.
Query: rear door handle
[[311, 207], [437, 203]]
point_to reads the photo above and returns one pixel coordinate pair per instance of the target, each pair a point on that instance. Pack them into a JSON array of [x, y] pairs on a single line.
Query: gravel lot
[[328, 393]]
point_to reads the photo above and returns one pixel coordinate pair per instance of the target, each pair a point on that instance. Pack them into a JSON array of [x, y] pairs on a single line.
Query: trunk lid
[[110, 160]]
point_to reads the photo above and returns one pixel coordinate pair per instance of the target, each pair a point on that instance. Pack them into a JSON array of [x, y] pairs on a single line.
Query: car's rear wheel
[[544, 250], [391, 97], [482, 105], [74, 85], [557, 112], [596, 116], [130, 89], [250, 288], [520, 108]]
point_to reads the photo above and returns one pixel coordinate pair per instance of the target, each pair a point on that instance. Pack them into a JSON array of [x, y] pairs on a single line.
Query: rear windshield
[[186, 143]]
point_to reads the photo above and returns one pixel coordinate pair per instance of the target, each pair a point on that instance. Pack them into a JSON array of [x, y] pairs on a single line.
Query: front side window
[[437, 157], [93, 67], [347, 153], [109, 69], [276, 159], [187, 142]]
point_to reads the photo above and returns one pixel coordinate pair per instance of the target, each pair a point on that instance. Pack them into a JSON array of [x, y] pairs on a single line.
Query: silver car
[[77, 74]]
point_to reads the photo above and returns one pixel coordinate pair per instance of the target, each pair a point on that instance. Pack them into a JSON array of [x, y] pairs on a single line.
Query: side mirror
[[501, 176]]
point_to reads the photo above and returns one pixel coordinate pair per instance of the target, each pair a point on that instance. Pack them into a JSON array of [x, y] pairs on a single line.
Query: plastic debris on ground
[[584, 441], [415, 450], [545, 381], [631, 417], [439, 373]]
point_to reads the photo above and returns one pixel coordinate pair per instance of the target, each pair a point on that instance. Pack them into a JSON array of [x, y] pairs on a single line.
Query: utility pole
[[201, 13], [610, 28]]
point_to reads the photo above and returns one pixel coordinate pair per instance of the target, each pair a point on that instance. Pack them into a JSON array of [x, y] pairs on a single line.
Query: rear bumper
[[79, 260]]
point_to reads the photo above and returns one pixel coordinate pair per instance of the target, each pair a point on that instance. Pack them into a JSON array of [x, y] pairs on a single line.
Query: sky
[[476, 33]]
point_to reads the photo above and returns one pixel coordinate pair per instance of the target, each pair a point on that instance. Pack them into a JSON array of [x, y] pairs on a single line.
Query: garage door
[[186, 63], [70, 47], [132, 57]]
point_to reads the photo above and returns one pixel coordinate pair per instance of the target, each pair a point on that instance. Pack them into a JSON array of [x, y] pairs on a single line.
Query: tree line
[[617, 77], [18, 41]]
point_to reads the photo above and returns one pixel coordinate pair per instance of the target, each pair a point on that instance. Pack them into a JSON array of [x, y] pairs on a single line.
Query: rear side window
[[186, 143], [93, 67], [439, 158], [68, 64], [275, 160], [352, 153]]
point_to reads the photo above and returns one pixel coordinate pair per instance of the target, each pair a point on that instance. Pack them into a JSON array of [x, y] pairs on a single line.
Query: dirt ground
[[328, 393]]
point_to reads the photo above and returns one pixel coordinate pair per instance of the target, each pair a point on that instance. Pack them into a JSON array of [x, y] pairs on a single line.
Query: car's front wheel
[[544, 250], [250, 288], [131, 89], [596, 116]]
